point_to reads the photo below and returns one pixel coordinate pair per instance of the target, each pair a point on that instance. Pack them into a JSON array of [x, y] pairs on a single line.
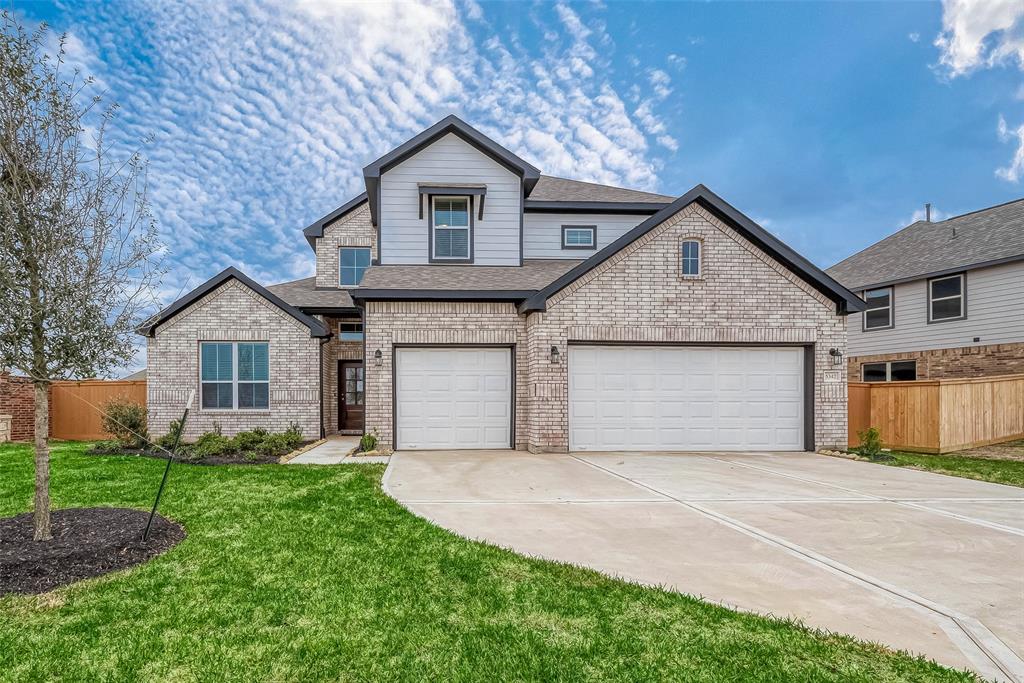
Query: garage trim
[[808, 370], [394, 382]]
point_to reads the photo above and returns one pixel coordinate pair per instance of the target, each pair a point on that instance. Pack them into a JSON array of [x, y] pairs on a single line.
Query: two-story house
[[467, 301], [944, 299]]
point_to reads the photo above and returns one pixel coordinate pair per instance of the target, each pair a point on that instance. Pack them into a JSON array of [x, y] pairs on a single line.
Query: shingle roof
[[532, 275], [553, 189], [305, 294], [923, 248]]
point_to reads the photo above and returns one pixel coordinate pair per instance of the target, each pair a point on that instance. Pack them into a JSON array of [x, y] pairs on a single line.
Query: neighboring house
[[944, 299], [138, 376], [467, 301]]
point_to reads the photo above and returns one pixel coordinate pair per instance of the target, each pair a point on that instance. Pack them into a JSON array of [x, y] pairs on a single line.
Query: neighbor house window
[[354, 262], [350, 331], [690, 258], [878, 314], [450, 238], [946, 298], [891, 371], [579, 237], [235, 375]]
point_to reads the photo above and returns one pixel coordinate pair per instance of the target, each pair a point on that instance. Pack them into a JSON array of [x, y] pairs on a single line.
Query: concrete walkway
[[918, 561]]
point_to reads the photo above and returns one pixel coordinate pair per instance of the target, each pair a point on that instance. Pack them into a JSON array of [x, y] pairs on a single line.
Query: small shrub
[[106, 447], [276, 445], [870, 442], [210, 444], [126, 421], [247, 442], [293, 435], [167, 440], [368, 442]]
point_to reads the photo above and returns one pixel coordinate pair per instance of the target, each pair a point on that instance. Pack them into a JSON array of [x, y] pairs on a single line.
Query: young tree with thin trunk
[[79, 250]]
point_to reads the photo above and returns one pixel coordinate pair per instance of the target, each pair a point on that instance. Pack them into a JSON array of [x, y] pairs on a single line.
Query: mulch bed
[[86, 542], [233, 459]]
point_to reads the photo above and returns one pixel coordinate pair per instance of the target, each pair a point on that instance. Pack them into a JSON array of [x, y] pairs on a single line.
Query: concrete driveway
[[918, 561]]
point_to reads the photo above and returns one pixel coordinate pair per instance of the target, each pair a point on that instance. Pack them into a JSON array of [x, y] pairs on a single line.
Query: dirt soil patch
[[86, 542], [1011, 450]]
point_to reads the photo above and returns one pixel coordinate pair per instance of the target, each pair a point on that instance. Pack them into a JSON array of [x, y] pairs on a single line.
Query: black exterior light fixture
[[378, 358], [837, 356], [554, 354]]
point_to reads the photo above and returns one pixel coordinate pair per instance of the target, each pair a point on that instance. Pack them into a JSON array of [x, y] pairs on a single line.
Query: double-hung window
[[354, 262], [878, 314], [235, 375], [451, 238], [946, 298], [690, 255]]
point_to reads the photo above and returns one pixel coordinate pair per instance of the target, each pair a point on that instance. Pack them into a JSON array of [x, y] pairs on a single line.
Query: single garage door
[[453, 398], [685, 398]]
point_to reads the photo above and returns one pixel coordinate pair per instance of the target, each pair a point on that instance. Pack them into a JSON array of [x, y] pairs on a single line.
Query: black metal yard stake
[[167, 469]]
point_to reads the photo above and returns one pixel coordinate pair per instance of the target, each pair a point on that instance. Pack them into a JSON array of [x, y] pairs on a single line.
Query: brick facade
[[17, 399], [743, 296], [961, 362], [233, 312], [352, 230]]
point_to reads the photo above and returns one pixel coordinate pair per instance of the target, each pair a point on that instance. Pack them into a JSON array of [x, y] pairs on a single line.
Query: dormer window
[[451, 227]]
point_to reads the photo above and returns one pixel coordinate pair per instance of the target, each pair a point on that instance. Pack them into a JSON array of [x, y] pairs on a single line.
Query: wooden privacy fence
[[939, 416], [75, 406]]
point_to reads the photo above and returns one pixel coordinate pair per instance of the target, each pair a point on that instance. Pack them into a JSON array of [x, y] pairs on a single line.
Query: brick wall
[[965, 361], [233, 312], [637, 295], [335, 350], [352, 230], [17, 399]]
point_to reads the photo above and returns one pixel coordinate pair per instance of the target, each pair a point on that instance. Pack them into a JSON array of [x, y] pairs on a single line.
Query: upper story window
[[946, 298], [878, 314], [354, 262], [451, 227], [234, 375], [690, 254], [579, 237]]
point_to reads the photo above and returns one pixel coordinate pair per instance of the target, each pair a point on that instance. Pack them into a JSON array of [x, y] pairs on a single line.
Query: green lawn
[[986, 469], [311, 573]]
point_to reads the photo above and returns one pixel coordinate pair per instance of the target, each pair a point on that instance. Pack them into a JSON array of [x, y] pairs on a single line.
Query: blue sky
[[831, 124]]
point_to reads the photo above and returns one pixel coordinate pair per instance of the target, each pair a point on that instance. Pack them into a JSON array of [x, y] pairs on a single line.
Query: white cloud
[[914, 37], [677, 61], [980, 33], [921, 214], [1015, 170]]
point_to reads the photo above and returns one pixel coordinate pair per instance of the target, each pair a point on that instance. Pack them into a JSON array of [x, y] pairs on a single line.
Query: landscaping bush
[[293, 435], [106, 447], [870, 442], [210, 444], [276, 445], [368, 442], [125, 420], [167, 440], [249, 442]]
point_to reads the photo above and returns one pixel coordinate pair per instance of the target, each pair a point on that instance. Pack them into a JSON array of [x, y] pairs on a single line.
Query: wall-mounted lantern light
[[837, 356], [554, 354], [378, 358]]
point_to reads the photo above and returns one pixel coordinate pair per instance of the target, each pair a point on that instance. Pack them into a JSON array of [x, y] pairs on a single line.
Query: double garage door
[[620, 398]]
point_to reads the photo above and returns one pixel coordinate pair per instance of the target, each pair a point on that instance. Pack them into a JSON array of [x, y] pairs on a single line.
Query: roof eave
[[316, 230], [940, 273], [510, 295], [555, 206]]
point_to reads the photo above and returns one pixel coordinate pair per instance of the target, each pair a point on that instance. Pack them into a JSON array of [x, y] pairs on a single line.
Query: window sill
[[691, 277], [236, 411]]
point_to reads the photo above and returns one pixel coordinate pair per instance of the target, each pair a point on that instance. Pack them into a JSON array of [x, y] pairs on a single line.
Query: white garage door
[[453, 398], [685, 398]]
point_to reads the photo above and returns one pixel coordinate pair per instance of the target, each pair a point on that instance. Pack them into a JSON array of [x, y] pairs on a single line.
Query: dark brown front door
[[350, 394]]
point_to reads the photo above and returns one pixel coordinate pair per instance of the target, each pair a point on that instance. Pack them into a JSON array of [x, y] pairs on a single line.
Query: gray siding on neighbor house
[[995, 313], [404, 238], [542, 232]]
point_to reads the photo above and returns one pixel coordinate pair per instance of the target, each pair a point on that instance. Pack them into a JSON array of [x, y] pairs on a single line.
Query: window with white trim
[[451, 229], [890, 371], [690, 255], [946, 298], [234, 375], [579, 237], [878, 314], [353, 262]]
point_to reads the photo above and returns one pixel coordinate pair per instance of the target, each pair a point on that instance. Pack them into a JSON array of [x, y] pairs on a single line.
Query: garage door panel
[[685, 398], [453, 398]]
